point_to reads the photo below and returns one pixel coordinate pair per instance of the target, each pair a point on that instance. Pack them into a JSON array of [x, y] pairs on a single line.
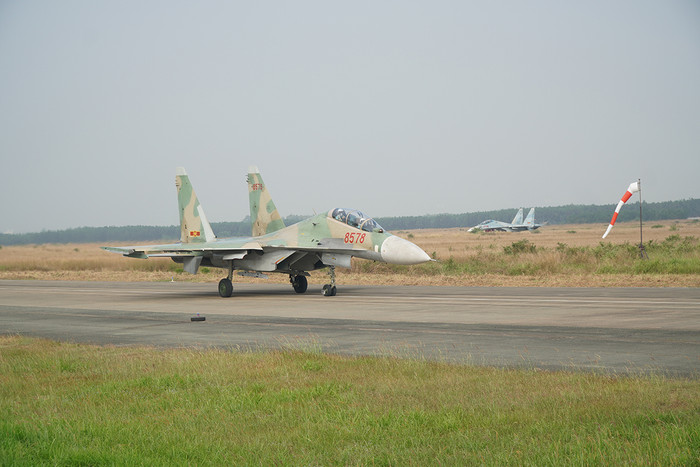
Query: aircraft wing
[[190, 255], [330, 245], [180, 250]]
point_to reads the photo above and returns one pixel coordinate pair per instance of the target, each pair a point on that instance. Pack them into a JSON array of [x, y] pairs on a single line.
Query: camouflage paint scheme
[[193, 222], [263, 213], [325, 240]]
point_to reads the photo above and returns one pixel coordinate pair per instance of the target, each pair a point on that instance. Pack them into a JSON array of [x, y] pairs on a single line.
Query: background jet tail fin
[[518, 219], [530, 219], [194, 227], [263, 212]]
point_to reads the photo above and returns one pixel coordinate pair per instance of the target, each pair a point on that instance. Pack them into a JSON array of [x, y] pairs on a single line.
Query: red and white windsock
[[633, 188]]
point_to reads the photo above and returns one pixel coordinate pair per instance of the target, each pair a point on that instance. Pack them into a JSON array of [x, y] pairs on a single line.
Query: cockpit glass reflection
[[356, 219]]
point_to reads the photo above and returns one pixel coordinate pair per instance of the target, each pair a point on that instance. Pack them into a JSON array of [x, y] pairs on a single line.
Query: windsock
[[633, 188]]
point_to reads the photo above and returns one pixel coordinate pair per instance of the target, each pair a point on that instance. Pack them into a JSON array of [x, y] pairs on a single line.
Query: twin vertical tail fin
[[194, 227], [530, 219], [518, 219], [263, 213]]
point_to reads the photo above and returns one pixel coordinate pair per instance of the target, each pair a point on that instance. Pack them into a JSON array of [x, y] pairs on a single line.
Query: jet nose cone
[[396, 250]]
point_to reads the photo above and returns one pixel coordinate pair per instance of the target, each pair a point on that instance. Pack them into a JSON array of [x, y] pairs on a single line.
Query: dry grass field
[[461, 244], [556, 255]]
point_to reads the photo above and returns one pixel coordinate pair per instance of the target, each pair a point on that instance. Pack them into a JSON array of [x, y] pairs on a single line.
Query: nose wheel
[[329, 290]]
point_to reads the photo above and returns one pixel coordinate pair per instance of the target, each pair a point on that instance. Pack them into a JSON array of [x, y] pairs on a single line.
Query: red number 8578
[[354, 237]]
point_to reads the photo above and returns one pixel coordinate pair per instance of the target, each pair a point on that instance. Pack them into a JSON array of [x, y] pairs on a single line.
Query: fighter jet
[[325, 240], [516, 226]]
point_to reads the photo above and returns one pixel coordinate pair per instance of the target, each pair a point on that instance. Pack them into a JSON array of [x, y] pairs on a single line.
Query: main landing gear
[[226, 285], [299, 283], [329, 290]]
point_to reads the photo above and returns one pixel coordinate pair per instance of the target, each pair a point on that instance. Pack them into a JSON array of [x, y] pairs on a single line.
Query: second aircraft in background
[[516, 226]]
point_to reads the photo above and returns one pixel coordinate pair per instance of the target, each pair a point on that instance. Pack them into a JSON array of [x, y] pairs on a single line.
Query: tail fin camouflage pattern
[[263, 213], [194, 227]]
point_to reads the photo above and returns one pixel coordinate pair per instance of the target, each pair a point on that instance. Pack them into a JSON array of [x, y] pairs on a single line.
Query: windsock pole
[[642, 251], [639, 184]]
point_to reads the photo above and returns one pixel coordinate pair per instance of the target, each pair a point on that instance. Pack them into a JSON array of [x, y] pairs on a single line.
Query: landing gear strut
[[226, 285], [329, 290], [299, 283]]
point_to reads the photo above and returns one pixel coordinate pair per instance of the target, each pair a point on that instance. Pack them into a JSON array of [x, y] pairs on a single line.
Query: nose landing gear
[[225, 288], [329, 290]]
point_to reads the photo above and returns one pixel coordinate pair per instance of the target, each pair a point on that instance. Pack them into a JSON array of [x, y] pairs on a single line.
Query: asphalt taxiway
[[611, 330]]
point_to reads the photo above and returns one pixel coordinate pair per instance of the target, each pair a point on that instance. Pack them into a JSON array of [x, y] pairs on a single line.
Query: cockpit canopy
[[355, 219]]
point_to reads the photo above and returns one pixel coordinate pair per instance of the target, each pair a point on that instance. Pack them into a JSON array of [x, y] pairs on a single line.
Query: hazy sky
[[394, 107]]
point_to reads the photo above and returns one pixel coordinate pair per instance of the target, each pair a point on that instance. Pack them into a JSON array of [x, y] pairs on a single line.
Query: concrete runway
[[610, 330]]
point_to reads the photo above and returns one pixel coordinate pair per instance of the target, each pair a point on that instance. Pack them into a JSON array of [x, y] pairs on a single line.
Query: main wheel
[[225, 288], [300, 284]]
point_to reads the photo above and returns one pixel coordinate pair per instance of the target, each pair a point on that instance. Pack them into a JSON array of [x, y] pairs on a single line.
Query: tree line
[[570, 214]]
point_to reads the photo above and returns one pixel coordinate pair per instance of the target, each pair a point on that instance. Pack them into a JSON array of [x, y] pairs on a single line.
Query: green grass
[[69, 404], [674, 255]]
